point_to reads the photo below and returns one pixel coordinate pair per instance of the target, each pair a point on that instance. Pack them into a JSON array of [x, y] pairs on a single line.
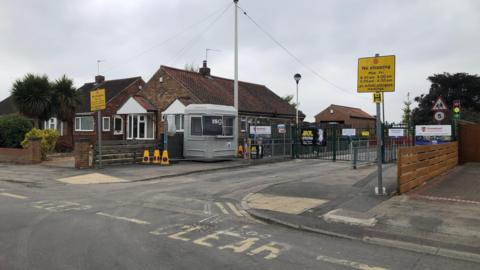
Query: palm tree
[[64, 99], [32, 96]]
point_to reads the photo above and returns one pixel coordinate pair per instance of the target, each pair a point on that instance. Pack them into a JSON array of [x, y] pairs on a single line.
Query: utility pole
[[235, 81]]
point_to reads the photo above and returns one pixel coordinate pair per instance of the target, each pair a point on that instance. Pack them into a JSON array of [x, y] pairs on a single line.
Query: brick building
[[126, 111], [349, 116], [171, 90]]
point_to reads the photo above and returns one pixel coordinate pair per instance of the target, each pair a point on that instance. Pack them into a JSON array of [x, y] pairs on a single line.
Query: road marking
[[234, 209], [205, 219], [11, 195], [351, 264], [273, 248], [60, 206], [220, 206], [207, 208], [132, 220]]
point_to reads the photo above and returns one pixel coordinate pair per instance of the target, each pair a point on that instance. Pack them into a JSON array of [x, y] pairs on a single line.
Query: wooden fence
[[469, 144], [418, 164]]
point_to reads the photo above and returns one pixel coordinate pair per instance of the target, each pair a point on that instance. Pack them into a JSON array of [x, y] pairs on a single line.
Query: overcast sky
[[67, 37]]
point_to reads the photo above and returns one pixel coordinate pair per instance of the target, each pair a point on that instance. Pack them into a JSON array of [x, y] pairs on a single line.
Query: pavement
[[441, 217], [59, 171]]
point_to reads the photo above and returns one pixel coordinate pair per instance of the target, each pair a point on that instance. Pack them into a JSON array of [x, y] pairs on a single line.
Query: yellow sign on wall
[[377, 97], [376, 74], [97, 100]]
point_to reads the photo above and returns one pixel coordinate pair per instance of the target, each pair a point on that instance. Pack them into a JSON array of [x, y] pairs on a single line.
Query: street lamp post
[[297, 78]]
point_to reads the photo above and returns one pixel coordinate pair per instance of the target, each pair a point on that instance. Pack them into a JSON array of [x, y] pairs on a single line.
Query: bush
[[13, 128], [48, 139]]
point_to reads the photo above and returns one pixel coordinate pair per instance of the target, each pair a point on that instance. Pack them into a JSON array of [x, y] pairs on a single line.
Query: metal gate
[[330, 143]]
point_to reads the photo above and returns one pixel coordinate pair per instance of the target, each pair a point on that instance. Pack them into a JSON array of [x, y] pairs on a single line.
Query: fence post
[[334, 142], [355, 156]]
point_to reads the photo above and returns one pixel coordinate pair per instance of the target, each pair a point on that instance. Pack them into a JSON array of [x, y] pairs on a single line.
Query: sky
[[327, 37]]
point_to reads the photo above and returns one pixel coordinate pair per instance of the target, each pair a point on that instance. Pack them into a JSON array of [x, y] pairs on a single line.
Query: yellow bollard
[[146, 157], [240, 151], [156, 157], [165, 159]]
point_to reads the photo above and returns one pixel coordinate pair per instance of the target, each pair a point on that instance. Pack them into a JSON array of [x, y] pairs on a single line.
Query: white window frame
[[115, 132], [182, 122], [79, 129], [145, 121], [57, 125], [103, 123]]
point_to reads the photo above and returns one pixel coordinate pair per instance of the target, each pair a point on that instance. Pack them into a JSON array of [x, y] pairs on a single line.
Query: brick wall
[[30, 155]]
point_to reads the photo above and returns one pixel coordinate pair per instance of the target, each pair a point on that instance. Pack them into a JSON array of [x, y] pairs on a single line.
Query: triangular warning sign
[[439, 105]]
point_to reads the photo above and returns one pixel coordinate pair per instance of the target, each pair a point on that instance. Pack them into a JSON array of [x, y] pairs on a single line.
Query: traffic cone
[[146, 157], [156, 157], [165, 159], [240, 151]]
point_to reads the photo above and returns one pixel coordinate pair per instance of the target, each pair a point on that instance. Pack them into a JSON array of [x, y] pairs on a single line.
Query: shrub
[[48, 139], [13, 128]]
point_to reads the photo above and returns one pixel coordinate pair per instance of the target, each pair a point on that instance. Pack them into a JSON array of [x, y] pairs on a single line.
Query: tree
[[64, 99], [32, 96], [407, 111], [462, 86], [289, 99]]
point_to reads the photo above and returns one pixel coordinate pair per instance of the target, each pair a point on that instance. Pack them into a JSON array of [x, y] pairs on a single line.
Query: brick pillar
[[82, 154], [35, 150]]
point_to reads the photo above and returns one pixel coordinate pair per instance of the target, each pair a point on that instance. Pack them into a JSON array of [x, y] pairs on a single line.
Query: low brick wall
[[418, 164], [30, 155]]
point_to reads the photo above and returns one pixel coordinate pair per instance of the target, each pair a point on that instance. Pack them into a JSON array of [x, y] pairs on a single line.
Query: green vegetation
[[461, 86], [13, 129], [48, 139]]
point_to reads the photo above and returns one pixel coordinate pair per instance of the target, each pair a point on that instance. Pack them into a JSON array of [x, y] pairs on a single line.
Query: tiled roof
[[253, 98], [147, 105], [351, 111], [7, 106], [112, 89]]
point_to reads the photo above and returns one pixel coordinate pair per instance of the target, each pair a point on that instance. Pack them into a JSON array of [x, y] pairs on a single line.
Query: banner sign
[[433, 130], [348, 132], [308, 136], [261, 130], [396, 132]]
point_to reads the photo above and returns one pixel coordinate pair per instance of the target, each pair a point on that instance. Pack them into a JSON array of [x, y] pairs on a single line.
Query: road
[[187, 222]]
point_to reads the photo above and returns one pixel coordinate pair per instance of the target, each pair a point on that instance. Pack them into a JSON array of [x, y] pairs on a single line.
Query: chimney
[[99, 79], [204, 70]]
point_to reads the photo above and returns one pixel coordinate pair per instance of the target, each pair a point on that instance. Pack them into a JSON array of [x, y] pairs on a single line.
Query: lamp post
[[297, 78]]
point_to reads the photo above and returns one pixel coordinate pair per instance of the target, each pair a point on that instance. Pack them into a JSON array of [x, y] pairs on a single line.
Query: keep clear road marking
[[11, 195], [351, 264], [132, 220]]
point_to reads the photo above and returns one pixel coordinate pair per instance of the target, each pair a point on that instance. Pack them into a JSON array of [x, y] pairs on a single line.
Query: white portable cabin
[[209, 132]]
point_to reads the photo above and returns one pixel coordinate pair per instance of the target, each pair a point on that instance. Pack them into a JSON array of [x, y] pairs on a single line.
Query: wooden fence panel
[[418, 164]]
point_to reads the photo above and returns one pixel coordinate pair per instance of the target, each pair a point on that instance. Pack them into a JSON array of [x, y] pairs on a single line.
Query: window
[[179, 118], [55, 124], [105, 123], [140, 127], [196, 126], [84, 123], [212, 125], [117, 125], [243, 124], [228, 126]]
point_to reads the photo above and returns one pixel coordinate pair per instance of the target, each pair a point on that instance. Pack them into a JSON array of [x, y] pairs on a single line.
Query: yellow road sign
[[97, 100], [376, 74], [377, 97]]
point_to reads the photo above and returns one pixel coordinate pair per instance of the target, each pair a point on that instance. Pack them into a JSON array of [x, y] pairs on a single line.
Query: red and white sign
[[433, 130], [439, 116], [261, 130], [439, 105]]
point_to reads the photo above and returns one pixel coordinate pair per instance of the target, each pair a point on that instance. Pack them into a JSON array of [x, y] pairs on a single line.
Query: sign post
[[377, 75], [97, 103]]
